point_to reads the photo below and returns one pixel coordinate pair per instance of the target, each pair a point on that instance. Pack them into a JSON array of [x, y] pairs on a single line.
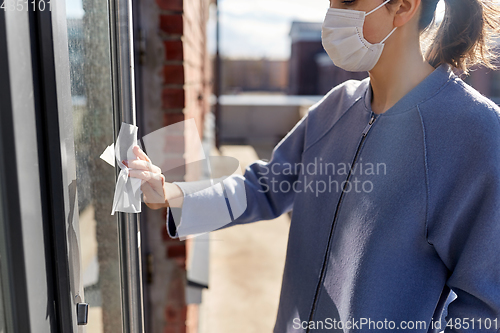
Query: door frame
[[38, 172]]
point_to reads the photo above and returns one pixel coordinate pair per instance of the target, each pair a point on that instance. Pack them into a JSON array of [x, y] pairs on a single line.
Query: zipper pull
[[367, 128]]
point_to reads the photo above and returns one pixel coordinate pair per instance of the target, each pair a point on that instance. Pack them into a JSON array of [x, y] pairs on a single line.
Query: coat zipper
[[363, 136]]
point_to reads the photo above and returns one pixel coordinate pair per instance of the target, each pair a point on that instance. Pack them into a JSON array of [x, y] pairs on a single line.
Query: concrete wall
[[254, 119]]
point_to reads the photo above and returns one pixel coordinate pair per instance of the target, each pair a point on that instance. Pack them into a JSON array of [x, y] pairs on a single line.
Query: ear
[[405, 10]]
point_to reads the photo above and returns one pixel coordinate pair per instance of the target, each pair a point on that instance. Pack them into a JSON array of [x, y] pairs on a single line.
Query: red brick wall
[[187, 69], [176, 74]]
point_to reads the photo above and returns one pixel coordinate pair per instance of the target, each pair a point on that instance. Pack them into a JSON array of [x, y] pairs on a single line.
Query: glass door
[[90, 87], [66, 81], [92, 47]]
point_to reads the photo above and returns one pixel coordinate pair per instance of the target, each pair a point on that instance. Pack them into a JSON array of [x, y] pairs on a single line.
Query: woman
[[417, 211]]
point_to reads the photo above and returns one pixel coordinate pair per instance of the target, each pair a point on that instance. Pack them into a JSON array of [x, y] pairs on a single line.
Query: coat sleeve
[[464, 227], [246, 198]]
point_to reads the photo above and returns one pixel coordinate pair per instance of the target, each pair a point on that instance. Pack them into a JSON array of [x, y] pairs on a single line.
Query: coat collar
[[430, 86]]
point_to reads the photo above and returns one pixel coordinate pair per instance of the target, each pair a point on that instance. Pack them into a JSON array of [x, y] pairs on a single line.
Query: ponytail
[[466, 36]]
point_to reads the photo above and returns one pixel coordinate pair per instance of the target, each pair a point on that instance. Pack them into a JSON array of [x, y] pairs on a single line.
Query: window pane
[[89, 52]]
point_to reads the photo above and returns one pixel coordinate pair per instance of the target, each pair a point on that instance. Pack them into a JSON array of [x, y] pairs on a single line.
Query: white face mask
[[342, 38]]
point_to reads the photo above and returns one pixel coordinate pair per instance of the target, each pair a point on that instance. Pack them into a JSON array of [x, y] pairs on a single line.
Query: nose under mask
[[343, 40]]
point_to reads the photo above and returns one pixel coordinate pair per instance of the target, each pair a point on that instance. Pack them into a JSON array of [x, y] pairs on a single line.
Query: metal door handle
[[82, 313]]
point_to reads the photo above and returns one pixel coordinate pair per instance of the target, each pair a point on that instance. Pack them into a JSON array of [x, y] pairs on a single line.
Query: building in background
[[306, 44], [487, 82], [254, 75], [311, 71]]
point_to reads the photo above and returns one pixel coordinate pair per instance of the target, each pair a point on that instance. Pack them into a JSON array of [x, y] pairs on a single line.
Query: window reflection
[[89, 52]]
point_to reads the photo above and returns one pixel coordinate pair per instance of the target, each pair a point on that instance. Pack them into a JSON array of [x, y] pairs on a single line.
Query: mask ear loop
[[390, 33], [371, 11]]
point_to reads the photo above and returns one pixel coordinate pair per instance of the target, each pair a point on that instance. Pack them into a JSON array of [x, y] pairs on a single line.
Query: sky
[[256, 28], [260, 28], [74, 8]]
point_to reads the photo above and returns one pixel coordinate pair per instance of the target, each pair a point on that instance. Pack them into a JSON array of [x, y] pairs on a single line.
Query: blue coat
[[418, 216]]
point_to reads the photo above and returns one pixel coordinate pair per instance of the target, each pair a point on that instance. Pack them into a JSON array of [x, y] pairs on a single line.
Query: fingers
[[143, 165], [150, 195], [140, 154], [155, 180], [151, 176], [146, 175]]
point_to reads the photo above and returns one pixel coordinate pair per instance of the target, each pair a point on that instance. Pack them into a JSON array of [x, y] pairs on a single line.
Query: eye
[[341, 3]]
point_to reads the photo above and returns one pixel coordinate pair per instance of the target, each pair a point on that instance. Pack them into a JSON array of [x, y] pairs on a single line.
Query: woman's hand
[[156, 192]]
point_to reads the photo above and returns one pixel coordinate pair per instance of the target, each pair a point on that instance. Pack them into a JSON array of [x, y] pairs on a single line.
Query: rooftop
[[305, 31]]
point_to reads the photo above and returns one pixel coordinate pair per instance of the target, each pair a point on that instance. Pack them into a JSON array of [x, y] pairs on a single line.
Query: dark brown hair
[[466, 35]]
